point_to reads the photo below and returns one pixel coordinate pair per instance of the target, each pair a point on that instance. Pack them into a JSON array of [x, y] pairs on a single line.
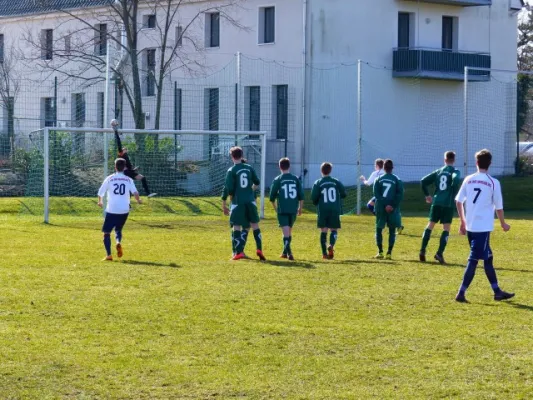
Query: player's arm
[[315, 194], [101, 192], [224, 198], [274, 191], [459, 203], [301, 197], [118, 142], [498, 205], [342, 189], [135, 192], [230, 183], [371, 179], [376, 191], [255, 178], [456, 182], [399, 194], [425, 182]]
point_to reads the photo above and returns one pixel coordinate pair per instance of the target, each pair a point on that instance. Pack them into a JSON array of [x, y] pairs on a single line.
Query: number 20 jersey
[[239, 181], [287, 190], [118, 188]]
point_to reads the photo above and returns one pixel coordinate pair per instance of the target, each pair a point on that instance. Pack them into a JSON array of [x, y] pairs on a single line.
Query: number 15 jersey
[[327, 194], [118, 188], [239, 181], [481, 194], [287, 189]]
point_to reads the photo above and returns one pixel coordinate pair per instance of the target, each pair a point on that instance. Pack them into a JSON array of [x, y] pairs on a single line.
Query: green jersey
[[327, 195], [239, 181], [388, 191], [287, 190], [447, 182]]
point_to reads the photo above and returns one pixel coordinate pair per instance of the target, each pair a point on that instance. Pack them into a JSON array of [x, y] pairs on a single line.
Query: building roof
[[11, 8]]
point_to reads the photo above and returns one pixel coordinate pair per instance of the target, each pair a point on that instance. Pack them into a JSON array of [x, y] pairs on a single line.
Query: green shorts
[[441, 214], [243, 214], [329, 219], [286, 220], [392, 220]]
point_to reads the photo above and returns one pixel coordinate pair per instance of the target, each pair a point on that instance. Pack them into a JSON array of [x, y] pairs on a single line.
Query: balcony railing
[[461, 3], [439, 64]]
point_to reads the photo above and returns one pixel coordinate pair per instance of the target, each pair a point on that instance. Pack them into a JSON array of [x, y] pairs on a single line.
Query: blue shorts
[[114, 221], [479, 245]]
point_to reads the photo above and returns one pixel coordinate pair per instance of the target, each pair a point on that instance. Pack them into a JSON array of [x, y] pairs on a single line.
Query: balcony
[[439, 64], [460, 3]]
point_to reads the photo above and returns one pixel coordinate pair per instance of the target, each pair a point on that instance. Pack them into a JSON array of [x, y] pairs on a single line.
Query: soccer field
[[176, 320]]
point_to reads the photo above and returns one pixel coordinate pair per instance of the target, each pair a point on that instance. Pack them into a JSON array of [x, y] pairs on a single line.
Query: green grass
[[176, 320]]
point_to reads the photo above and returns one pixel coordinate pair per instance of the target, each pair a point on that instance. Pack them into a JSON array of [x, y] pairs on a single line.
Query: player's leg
[[237, 218], [477, 242], [144, 182], [253, 217], [107, 228], [488, 264], [323, 242], [433, 219], [121, 221], [393, 223], [381, 222], [118, 142], [400, 227], [334, 226], [283, 221], [371, 205], [446, 219], [292, 220]]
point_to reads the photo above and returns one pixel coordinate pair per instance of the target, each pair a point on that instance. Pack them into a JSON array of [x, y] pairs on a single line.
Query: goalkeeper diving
[[130, 171]]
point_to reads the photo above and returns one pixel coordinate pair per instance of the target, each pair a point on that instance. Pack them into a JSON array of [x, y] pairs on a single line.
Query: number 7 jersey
[[287, 190], [327, 194]]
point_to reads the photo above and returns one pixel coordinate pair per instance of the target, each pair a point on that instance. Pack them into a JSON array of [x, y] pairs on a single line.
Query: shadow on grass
[[432, 263], [150, 263], [290, 264], [361, 261], [519, 306]]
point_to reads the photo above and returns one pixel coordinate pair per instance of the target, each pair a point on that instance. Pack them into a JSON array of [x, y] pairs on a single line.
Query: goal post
[[177, 164]]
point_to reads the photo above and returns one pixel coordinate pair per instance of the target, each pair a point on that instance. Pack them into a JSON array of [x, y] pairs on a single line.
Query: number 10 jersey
[[327, 194]]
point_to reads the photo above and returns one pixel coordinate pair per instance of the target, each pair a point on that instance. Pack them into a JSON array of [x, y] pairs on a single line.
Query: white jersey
[[118, 188], [481, 194], [373, 176]]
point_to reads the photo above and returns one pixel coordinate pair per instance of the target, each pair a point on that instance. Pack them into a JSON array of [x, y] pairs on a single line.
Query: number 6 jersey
[[239, 181], [118, 188], [287, 189], [481, 194]]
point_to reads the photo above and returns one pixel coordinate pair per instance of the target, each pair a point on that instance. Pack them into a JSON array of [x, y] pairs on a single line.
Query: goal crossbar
[[262, 135]]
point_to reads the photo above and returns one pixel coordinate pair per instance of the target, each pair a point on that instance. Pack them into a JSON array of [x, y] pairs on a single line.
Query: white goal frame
[[105, 131]]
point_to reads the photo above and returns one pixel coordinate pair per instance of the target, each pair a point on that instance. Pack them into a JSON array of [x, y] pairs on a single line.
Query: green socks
[[287, 245], [392, 239], [333, 238], [425, 240], [443, 242], [258, 239], [379, 239]]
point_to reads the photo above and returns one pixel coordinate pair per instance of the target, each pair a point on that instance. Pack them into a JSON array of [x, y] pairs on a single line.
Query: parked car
[[525, 147]]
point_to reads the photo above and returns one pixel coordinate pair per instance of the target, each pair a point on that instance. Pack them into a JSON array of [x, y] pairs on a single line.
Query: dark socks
[[244, 238], [145, 185], [379, 239], [107, 243], [425, 240], [392, 239], [323, 241], [233, 243], [118, 236], [491, 274], [333, 238], [258, 239], [443, 242], [468, 277], [239, 244], [287, 245]]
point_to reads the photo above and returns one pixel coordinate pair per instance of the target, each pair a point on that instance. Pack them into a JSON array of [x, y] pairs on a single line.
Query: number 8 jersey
[[239, 181], [118, 188], [481, 195], [446, 181]]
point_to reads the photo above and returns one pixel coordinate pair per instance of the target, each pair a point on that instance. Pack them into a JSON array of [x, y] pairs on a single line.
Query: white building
[[297, 77]]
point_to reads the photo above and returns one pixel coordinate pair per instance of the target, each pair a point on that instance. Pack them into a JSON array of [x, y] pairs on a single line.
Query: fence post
[[55, 102], [465, 122], [237, 87], [46, 155], [359, 135]]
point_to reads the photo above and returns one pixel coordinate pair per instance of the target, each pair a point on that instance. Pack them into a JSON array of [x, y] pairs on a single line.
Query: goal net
[[68, 165]]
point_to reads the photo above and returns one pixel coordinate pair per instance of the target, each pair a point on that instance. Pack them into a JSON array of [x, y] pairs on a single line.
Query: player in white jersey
[[480, 195], [117, 187], [378, 171]]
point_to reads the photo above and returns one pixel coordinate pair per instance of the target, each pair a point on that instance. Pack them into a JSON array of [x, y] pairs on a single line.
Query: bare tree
[[9, 89], [79, 51]]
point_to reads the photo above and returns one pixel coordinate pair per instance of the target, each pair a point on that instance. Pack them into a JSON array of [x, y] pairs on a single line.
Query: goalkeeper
[[130, 171]]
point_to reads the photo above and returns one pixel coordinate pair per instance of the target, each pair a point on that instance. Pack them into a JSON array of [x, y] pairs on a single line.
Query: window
[[450, 33], [1, 48], [150, 62], [100, 40], [281, 93], [67, 45], [100, 104], [254, 108], [267, 25], [149, 21], [48, 115], [78, 110], [179, 36], [404, 30], [47, 44], [212, 30]]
